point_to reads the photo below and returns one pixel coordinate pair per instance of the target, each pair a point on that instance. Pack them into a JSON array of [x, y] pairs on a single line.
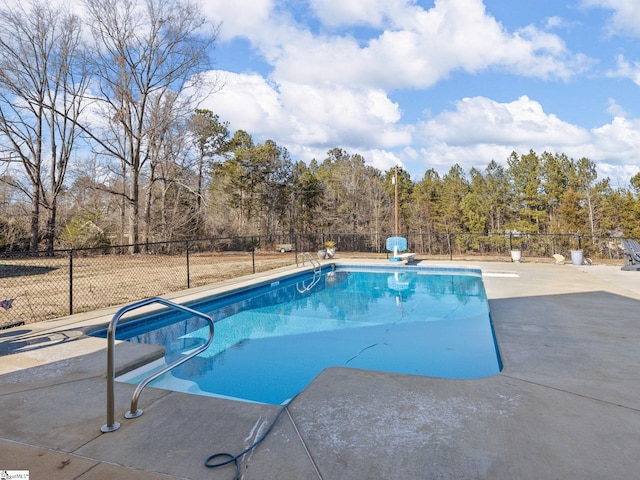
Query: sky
[[428, 84]]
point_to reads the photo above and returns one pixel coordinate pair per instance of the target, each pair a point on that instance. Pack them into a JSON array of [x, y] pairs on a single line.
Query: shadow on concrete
[[24, 343]]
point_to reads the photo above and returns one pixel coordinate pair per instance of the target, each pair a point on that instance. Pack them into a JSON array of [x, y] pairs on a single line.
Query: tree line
[[102, 142], [259, 190]]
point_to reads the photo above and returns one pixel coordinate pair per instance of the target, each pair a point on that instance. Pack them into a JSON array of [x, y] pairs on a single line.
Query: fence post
[[450, 249], [188, 272], [71, 282], [253, 254]]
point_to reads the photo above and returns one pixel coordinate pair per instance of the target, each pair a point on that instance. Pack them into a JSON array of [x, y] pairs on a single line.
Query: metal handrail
[[315, 263], [134, 412], [317, 273]]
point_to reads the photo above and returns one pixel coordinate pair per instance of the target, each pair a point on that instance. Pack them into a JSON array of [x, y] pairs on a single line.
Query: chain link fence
[[536, 246], [497, 245], [46, 285]]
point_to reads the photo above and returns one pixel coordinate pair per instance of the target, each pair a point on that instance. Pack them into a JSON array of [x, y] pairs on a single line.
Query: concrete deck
[[566, 405]]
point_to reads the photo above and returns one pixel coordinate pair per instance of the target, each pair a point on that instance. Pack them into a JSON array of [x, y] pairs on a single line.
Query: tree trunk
[[35, 220], [134, 209], [50, 233], [148, 204]]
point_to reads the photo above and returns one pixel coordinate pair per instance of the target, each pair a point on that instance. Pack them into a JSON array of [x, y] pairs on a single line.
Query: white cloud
[[362, 12], [441, 156], [246, 101], [554, 22], [428, 46], [618, 174], [521, 123], [618, 142], [626, 69], [240, 18], [479, 130], [309, 120], [320, 117], [626, 14], [341, 116], [615, 109], [418, 48], [381, 159]]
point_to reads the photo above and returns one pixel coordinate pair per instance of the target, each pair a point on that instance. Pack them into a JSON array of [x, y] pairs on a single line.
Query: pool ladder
[[317, 273], [135, 412]]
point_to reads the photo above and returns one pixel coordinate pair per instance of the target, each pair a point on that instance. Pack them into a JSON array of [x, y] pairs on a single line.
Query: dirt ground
[[36, 289]]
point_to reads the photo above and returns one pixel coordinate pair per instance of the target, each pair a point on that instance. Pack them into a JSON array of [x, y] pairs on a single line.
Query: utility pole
[[395, 182]]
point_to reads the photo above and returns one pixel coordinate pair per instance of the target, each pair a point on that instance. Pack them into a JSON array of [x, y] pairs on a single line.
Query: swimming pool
[[273, 338]]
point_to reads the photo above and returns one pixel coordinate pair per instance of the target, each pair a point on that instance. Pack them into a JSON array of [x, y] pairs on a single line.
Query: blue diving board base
[[395, 259]]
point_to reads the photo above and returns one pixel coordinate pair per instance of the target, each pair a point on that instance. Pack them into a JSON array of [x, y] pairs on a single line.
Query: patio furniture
[[631, 254]]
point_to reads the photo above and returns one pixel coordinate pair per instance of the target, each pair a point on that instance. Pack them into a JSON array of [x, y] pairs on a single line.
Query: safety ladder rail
[[314, 262], [134, 412], [317, 273]]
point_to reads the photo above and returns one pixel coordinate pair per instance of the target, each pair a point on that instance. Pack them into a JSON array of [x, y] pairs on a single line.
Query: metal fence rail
[[44, 285]]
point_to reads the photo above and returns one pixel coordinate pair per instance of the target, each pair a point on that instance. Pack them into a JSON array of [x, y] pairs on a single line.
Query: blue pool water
[[274, 338]]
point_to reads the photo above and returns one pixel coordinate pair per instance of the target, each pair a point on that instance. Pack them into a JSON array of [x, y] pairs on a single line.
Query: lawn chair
[[631, 254]]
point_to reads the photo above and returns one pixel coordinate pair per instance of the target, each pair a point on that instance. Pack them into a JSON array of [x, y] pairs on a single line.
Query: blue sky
[[426, 84]]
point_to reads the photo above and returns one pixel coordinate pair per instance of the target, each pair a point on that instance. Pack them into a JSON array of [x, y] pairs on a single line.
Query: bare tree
[[143, 51], [170, 175], [42, 83]]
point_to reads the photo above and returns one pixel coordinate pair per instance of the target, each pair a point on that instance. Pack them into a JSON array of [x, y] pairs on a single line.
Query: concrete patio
[[565, 406]]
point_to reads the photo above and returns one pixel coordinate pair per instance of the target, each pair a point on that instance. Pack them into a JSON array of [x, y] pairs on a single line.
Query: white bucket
[[576, 257]]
